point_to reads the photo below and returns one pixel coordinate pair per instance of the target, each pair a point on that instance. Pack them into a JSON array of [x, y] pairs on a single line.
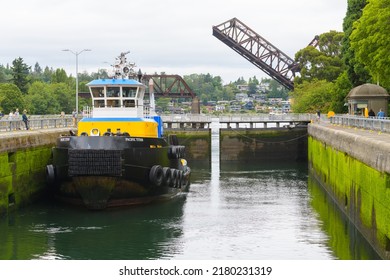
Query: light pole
[[76, 53]]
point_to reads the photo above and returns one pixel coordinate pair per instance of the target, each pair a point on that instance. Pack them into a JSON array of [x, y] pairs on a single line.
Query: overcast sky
[[174, 36]]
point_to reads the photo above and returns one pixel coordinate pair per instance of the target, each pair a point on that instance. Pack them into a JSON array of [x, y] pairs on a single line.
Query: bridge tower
[[258, 51]]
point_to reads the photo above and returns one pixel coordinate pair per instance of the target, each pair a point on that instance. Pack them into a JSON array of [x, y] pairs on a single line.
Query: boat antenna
[[124, 69]]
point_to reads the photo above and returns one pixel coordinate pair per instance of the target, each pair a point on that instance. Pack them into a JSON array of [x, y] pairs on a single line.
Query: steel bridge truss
[[258, 51], [172, 86]]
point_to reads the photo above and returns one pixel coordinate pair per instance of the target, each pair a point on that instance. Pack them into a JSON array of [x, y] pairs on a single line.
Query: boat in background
[[119, 155]]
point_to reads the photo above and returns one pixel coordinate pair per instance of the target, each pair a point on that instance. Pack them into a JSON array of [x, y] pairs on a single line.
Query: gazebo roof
[[367, 91]]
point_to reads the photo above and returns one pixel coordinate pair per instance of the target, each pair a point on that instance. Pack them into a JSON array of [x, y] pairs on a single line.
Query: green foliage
[[5, 74], [357, 74], [10, 98], [324, 63], [310, 97], [370, 40], [20, 72], [205, 86], [341, 89], [275, 89], [45, 98]]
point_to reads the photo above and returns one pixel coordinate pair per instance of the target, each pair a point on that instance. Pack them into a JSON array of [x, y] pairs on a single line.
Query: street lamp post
[[76, 53]]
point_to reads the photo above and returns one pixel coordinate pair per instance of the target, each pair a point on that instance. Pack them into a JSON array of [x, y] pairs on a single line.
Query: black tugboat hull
[[101, 172]]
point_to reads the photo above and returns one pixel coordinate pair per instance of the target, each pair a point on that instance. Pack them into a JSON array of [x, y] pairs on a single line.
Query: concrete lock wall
[[197, 143], [23, 159], [263, 144], [356, 173]]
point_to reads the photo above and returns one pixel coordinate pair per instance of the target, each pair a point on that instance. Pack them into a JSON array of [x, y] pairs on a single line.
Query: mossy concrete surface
[[353, 166], [197, 143], [271, 144], [23, 159]]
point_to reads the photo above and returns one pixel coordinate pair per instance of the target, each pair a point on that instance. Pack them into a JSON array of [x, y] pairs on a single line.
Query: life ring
[[156, 175], [50, 175], [107, 133], [84, 134], [167, 176]]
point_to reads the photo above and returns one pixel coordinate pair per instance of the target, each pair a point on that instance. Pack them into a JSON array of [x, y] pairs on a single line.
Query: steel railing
[[373, 123], [35, 122], [55, 121]]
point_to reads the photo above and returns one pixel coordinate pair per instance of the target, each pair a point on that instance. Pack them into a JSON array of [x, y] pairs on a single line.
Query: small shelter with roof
[[368, 96]]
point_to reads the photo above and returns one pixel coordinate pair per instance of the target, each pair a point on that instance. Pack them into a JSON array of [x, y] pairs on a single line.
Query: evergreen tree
[[20, 72]]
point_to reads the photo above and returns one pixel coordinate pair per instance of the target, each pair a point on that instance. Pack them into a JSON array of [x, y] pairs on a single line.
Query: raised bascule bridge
[[260, 52]]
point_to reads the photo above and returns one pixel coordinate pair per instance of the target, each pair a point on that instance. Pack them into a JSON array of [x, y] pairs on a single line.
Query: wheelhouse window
[[113, 103], [97, 92], [129, 103], [129, 92], [98, 103], [113, 91]]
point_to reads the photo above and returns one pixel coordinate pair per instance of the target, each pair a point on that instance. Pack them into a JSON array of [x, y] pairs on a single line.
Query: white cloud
[[175, 35]]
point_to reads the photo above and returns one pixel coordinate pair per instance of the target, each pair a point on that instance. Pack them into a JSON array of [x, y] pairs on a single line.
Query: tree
[[276, 90], [20, 72], [59, 76], [252, 85], [10, 97], [357, 74], [324, 63], [341, 88], [370, 40], [5, 74], [312, 96]]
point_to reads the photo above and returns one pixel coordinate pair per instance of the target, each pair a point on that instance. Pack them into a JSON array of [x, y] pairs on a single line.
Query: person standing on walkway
[[10, 118], [74, 115], [381, 114], [25, 119], [371, 113]]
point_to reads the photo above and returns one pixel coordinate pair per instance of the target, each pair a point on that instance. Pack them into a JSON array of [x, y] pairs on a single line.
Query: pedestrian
[[25, 119], [381, 114], [371, 113], [16, 115], [318, 115], [74, 115]]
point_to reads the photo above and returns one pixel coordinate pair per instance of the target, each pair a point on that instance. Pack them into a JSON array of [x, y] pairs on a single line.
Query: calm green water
[[245, 213], [232, 211]]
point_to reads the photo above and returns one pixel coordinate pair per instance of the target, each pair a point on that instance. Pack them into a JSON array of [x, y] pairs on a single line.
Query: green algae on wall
[[343, 237], [362, 192], [22, 176], [272, 144], [197, 143]]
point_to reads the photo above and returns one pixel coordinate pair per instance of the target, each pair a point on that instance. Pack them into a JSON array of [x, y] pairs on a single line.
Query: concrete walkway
[[369, 146]]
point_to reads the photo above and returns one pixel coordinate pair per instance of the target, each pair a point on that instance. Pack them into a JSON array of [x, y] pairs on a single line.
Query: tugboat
[[119, 155]]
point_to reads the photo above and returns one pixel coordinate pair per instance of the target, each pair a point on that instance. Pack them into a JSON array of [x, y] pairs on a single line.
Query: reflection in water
[[232, 211], [345, 240], [48, 231]]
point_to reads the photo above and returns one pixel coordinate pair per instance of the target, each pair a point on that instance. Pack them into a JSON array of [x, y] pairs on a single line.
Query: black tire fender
[[156, 175], [167, 176], [173, 178]]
